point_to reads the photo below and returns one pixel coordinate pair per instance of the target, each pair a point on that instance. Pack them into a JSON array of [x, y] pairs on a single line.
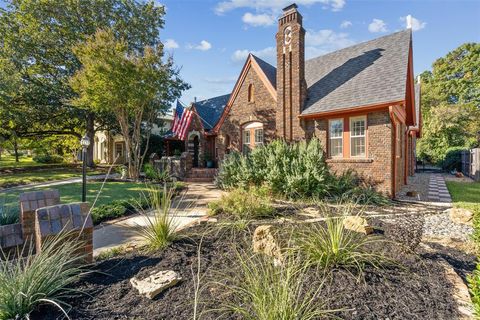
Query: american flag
[[181, 121]]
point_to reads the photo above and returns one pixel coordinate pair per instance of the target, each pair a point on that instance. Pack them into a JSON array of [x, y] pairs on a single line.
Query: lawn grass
[[21, 178], [73, 192], [8, 161], [465, 195]]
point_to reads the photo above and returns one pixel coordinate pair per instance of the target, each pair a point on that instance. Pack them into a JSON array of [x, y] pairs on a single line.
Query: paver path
[[191, 206], [437, 189]]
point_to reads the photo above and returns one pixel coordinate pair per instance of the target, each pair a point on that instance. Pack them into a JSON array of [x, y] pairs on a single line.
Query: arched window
[[251, 93], [252, 136]]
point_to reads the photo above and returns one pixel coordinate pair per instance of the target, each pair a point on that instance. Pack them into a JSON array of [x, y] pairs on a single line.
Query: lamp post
[[84, 142]]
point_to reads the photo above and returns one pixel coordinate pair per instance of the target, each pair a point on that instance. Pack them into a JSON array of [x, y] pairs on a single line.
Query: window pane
[[358, 146], [358, 127], [258, 136], [336, 128], [336, 147], [246, 136]]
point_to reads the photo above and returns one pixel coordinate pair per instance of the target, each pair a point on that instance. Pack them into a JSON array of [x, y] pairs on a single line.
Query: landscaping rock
[[264, 242], [412, 193], [156, 283], [459, 215], [357, 224]]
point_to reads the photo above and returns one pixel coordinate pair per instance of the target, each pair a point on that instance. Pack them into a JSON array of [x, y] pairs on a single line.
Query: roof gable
[[210, 110], [369, 73]]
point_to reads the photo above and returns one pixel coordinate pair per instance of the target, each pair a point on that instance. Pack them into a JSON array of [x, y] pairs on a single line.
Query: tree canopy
[[451, 103]]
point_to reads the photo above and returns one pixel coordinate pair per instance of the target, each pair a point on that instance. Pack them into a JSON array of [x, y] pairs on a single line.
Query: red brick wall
[[376, 168], [242, 112]]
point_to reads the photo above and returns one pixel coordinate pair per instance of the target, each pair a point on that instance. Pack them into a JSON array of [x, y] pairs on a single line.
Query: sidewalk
[[59, 182], [192, 206]]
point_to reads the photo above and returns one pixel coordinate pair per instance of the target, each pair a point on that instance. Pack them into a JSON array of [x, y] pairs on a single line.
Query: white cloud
[[274, 5], [203, 46], [268, 54], [257, 20], [324, 41], [171, 44], [415, 23], [345, 24], [377, 25]]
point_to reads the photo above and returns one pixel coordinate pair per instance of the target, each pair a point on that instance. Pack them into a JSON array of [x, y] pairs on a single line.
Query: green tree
[[451, 103], [36, 40], [135, 85]]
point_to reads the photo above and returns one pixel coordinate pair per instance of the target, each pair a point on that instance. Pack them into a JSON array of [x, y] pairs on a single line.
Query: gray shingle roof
[[210, 110], [269, 70], [364, 74]]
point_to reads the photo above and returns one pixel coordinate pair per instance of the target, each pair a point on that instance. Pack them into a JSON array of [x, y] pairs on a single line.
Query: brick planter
[[73, 218], [11, 240]]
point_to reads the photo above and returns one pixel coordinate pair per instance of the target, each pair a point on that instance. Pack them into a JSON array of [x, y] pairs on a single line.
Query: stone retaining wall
[[177, 167], [11, 240]]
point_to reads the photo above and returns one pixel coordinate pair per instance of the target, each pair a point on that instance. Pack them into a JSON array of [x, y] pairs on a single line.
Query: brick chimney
[[291, 85]]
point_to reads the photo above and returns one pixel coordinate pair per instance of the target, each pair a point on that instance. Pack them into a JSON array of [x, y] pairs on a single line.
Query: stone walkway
[[437, 189], [187, 209]]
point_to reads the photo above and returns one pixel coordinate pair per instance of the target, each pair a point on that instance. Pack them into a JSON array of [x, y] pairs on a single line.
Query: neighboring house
[[361, 102], [108, 146]]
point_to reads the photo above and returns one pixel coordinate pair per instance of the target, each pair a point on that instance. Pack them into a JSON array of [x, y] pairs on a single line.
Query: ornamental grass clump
[[244, 204], [42, 278], [330, 245], [262, 291], [160, 226]]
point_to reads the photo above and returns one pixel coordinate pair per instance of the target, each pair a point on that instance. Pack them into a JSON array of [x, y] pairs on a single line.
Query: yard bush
[[453, 159], [48, 158], [153, 174], [294, 170], [45, 277], [117, 209], [244, 204]]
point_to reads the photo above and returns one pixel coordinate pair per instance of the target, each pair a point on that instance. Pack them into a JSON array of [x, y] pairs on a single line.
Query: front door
[[196, 150]]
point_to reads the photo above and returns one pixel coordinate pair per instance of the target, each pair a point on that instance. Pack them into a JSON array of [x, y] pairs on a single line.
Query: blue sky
[[210, 39]]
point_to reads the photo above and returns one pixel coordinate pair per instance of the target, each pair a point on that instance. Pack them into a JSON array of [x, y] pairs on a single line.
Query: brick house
[[361, 102]]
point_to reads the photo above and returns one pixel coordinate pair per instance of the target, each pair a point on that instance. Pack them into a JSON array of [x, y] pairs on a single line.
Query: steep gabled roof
[[269, 70], [210, 110], [369, 73]]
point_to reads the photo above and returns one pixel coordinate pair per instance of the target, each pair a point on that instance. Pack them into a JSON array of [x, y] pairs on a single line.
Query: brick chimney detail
[[291, 85]]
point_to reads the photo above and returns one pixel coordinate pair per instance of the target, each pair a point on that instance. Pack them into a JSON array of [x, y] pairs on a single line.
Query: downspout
[[393, 151]]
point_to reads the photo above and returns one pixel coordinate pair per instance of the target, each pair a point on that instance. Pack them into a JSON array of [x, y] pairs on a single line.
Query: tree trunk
[[15, 149], [91, 135]]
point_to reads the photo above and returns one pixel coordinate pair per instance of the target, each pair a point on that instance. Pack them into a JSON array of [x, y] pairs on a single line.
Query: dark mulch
[[414, 288]]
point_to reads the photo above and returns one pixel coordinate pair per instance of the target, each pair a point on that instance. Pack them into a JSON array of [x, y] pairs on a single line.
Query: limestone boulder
[[460, 215], [264, 242], [357, 224], [156, 283]]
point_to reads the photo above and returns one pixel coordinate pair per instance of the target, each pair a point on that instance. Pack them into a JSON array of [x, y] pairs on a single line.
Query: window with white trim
[[246, 141], [259, 136], [358, 129], [336, 138]]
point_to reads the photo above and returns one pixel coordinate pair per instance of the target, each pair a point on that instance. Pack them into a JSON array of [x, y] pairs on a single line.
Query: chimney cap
[[290, 7]]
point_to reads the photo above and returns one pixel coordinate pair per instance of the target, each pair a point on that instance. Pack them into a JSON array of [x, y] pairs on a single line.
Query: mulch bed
[[413, 288]]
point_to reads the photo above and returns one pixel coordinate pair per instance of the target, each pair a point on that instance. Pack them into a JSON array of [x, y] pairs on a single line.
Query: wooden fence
[[471, 163]]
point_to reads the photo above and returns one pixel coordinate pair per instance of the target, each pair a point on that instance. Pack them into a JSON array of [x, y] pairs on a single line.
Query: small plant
[[262, 291], [154, 174], [7, 215], [160, 229], [45, 277], [244, 204], [331, 245]]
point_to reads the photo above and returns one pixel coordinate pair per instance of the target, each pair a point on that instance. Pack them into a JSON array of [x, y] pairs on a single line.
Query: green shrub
[[48, 158], [117, 209], [160, 229], [153, 174], [8, 215], [262, 291], [294, 170], [453, 159], [474, 286], [330, 246], [244, 204], [45, 277]]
